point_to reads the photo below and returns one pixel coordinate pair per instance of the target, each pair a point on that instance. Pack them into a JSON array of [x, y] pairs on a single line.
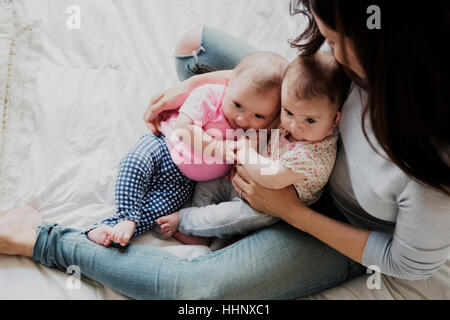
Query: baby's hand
[[230, 148], [245, 146], [245, 142]]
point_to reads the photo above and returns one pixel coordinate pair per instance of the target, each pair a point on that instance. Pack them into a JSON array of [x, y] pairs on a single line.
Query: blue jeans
[[277, 262], [218, 51]]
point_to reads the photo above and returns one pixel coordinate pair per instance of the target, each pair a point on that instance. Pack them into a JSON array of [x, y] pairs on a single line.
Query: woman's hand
[[169, 99], [278, 203], [285, 204]]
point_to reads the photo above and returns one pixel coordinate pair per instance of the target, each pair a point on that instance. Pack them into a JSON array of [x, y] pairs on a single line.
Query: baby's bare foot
[[191, 240], [169, 224], [100, 235], [122, 232]]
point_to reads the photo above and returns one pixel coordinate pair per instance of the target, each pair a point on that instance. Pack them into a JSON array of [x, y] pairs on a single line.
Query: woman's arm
[[174, 97], [284, 204], [343, 237], [196, 138]]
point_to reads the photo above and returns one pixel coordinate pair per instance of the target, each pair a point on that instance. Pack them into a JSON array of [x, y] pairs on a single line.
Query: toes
[[107, 242], [114, 236], [125, 239], [111, 235], [120, 238], [168, 234], [162, 220]]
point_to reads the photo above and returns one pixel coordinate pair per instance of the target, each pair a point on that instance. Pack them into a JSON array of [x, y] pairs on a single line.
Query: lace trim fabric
[[19, 57]]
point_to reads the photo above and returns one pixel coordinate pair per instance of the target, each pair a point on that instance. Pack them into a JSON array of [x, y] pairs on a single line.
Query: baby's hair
[[267, 69], [318, 75]]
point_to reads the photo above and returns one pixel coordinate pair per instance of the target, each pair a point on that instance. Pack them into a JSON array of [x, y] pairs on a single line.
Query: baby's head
[[313, 91], [253, 97]]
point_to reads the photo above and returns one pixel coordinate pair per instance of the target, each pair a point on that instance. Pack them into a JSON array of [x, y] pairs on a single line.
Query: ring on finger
[[240, 193]]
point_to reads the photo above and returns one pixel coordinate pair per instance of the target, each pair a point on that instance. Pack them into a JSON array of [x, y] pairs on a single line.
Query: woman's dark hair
[[407, 76]]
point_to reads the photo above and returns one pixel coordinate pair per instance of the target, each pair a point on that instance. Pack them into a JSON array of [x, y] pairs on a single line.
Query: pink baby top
[[204, 107], [314, 159]]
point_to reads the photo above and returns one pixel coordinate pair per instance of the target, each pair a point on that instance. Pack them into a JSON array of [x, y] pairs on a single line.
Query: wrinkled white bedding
[[93, 85]]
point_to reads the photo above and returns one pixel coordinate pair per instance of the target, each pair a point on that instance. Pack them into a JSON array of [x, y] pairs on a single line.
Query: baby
[[157, 176], [301, 153]]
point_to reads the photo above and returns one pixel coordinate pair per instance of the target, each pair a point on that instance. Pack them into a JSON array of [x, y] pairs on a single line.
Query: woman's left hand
[[278, 203]]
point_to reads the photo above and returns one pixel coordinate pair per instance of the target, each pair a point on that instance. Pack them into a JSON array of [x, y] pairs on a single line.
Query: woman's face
[[343, 50]]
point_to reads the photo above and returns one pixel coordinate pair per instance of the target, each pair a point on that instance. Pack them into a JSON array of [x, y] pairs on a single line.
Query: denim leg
[[278, 262], [218, 51]]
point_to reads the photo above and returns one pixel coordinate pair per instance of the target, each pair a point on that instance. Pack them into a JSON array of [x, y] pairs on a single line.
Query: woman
[[388, 202]]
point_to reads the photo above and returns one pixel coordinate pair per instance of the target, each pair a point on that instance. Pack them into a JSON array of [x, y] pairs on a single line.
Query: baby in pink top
[[201, 132]]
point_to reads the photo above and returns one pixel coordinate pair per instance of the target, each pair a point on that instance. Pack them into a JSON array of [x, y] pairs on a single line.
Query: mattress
[[100, 63]]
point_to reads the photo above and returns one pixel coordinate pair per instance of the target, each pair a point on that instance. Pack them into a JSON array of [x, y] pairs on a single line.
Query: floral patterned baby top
[[314, 159]]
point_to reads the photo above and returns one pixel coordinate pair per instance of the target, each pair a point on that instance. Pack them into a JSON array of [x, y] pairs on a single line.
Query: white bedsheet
[[92, 88]]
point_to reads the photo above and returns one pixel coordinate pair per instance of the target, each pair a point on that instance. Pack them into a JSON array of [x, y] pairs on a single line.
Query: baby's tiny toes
[[115, 236], [161, 220]]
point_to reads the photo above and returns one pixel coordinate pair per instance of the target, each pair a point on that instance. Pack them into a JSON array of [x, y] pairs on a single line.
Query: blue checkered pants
[[149, 185]]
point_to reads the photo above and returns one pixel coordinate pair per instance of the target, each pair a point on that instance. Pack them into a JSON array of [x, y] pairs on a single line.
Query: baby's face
[[246, 108], [307, 120]]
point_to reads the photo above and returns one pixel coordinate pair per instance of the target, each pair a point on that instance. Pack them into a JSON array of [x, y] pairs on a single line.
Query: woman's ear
[[336, 119]]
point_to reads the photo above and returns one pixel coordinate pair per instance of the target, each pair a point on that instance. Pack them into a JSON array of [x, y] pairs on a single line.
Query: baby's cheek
[[262, 125], [258, 126], [227, 113]]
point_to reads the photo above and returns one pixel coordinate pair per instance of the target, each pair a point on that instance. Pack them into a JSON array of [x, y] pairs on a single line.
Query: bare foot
[[191, 240], [169, 224], [100, 235], [18, 231], [122, 232]]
